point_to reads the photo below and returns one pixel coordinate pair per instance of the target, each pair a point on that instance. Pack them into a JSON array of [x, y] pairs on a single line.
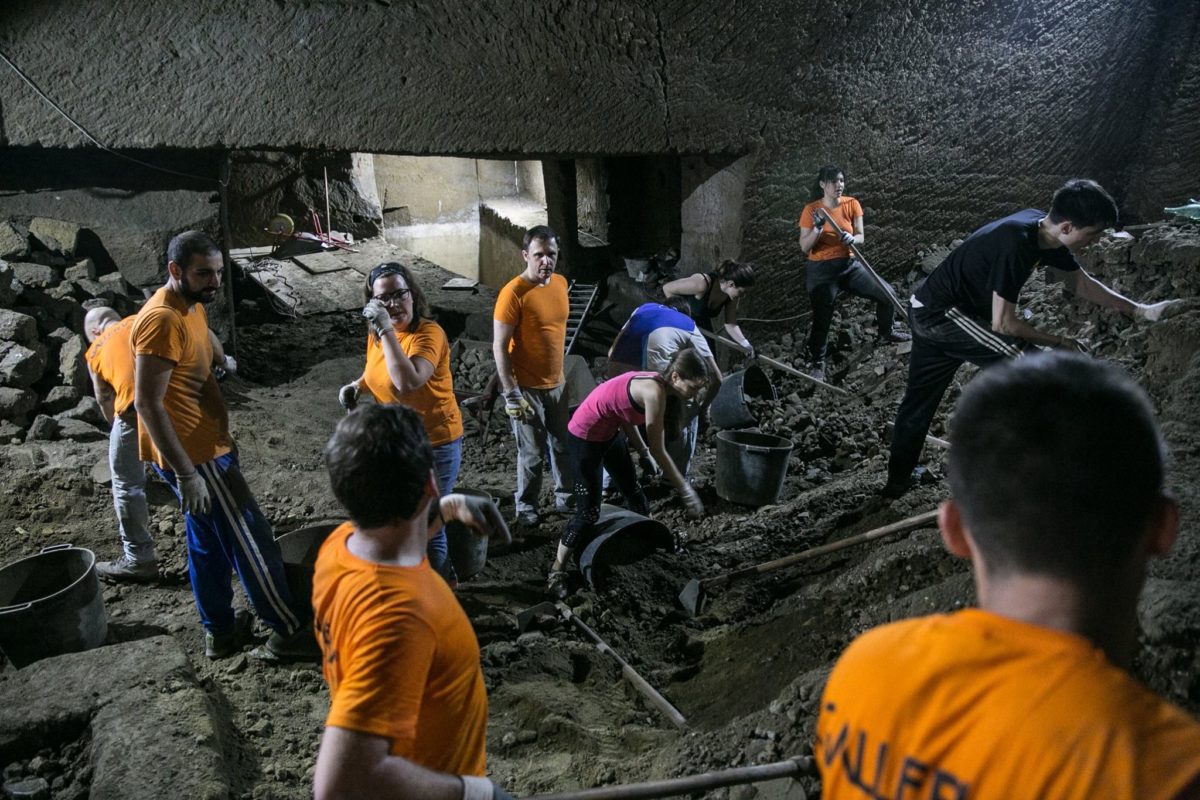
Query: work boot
[[125, 569], [223, 645], [301, 645], [556, 584], [816, 370]]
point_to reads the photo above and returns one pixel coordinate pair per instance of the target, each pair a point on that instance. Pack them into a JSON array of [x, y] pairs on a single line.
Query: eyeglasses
[[393, 297]]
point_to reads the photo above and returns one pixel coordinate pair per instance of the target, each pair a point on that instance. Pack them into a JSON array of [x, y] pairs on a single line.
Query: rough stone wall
[[945, 113]]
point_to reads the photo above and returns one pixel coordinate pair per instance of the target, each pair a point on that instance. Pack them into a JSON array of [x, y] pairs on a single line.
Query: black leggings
[[825, 280], [587, 459]]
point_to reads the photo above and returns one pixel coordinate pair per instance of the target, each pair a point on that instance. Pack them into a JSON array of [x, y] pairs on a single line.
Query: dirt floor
[[747, 672]]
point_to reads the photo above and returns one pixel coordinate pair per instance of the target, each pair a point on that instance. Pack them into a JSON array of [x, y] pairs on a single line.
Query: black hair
[[829, 172], [184, 246], [690, 366], [540, 232], [677, 303], [1057, 464], [1084, 204], [420, 306], [738, 273], [379, 459]]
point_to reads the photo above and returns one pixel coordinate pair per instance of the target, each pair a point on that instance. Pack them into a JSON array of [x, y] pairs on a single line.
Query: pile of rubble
[[472, 365], [44, 293]]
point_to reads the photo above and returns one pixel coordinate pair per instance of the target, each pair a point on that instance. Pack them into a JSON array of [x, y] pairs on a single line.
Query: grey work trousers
[[129, 490], [548, 427]]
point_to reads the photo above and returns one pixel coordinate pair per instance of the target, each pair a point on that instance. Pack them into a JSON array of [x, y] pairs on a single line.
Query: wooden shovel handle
[[673, 787]]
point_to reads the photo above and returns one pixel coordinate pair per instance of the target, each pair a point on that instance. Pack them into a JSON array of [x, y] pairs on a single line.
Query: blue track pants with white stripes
[[235, 535]]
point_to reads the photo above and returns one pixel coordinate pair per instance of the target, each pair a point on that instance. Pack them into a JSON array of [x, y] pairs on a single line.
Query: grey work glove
[[847, 238], [378, 318], [517, 407], [230, 365], [818, 221], [194, 492], [691, 501], [478, 513], [348, 396]]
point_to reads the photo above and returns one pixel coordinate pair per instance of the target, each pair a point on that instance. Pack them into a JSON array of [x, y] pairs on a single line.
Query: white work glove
[[194, 492], [475, 788], [230, 365], [378, 318], [348, 396], [1153, 312], [691, 501], [517, 407], [847, 238], [478, 513]]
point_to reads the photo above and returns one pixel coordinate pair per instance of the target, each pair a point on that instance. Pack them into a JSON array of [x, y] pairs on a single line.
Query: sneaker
[[223, 645], [816, 371], [895, 337], [528, 519], [125, 569], [280, 649], [556, 584]]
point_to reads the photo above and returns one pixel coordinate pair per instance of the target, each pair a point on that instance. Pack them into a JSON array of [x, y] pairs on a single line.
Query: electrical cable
[[92, 138], [780, 319]]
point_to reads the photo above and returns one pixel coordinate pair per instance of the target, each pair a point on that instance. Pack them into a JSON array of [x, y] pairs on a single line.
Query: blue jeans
[[235, 534], [447, 458]]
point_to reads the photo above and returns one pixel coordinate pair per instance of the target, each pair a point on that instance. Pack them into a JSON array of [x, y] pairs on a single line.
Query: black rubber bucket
[[468, 550], [751, 466], [51, 604], [622, 537], [299, 549], [730, 408]]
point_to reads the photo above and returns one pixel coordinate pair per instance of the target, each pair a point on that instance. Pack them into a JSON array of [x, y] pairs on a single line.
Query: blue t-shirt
[[630, 344]]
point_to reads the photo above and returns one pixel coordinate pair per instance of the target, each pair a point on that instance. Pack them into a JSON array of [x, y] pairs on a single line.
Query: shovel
[[524, 618], [887, 287], [779, 365], [673, 787], [693, 595]]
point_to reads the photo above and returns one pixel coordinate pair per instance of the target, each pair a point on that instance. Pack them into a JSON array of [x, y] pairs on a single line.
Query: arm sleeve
[[856, 210], [1061, 259], [428, 343], [1007, 275], [508, 307], [158, 333]]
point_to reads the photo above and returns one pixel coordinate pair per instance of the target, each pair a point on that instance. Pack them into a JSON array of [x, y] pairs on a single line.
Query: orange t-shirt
[[539, 316], [434, 401], [976, 705], [111, 357], [167, 328], [829, 244], [400, 658]]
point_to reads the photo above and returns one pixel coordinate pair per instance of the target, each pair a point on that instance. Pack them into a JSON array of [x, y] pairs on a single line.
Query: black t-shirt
[[999, 257]]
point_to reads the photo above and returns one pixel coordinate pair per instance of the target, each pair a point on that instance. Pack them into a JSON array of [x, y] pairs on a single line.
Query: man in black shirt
[[967, 309]]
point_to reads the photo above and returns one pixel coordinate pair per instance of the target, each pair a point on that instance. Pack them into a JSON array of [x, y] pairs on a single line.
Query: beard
[[191, 295]]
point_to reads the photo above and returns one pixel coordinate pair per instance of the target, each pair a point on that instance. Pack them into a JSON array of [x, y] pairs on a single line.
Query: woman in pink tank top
[[597, 438]]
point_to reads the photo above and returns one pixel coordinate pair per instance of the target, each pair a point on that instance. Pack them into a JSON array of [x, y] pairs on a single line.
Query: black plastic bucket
[[51, 604], [299, 549], [468, 550], [622, 537], [730, 408], [751, 466]]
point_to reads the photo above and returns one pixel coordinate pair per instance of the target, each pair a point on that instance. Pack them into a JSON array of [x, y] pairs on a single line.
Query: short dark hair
[[379, 459], [1057, 464], [1084, 204], [829, 172], [677, 303], [420, 305], [188, 244], [540, 232], [738, 273]]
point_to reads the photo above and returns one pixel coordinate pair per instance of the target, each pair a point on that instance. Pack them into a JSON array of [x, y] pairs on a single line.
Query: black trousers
[[587, 459], [941, 343], [825, 280]]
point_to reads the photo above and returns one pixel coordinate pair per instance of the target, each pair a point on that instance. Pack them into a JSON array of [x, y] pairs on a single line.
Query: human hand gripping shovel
[[887, 287], [694, 593]]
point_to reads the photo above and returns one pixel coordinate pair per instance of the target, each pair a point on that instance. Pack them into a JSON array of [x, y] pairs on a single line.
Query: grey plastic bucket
[[621, 537], [299, 549], [468, 550], [751, 466], [51, 604], [730, 408]]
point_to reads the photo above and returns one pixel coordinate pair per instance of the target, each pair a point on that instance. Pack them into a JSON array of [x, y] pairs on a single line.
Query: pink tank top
[[600, 415]]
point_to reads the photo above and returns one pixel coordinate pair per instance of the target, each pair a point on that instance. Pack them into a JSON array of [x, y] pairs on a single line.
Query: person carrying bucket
[[408, 362], [597, 435]]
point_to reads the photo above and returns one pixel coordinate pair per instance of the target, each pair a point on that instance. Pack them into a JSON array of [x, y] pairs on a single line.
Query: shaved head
[[97, 320]]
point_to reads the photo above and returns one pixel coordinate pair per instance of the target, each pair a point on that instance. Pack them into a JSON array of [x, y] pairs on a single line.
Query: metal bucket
[[751, 466], [468, 550], [622, 537], [51, 604], [299, 549], [730, 408]]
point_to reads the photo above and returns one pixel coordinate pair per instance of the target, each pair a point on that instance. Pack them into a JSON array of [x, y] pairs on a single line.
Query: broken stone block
[[10, 430], [60, 398], [86, 410], [44, 428], [82, 270], [15, 404], [33, 276], [14, 241], [55, 235], [8, 294], [71, 365], [79, 431], [115, 283], [17, 327], [88, 288], [21, 366]]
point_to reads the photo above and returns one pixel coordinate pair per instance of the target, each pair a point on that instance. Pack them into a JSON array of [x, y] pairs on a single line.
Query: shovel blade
[[692, 597], [524, 618]]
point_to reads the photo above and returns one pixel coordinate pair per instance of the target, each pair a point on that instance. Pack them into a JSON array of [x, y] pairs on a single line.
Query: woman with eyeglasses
[[408, 361]]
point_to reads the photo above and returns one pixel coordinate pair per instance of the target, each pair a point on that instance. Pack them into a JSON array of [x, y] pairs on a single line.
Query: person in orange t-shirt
[[828, 226], [184, 430], [408, 361], [408, 706], [529, 330], [1056, 475]]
